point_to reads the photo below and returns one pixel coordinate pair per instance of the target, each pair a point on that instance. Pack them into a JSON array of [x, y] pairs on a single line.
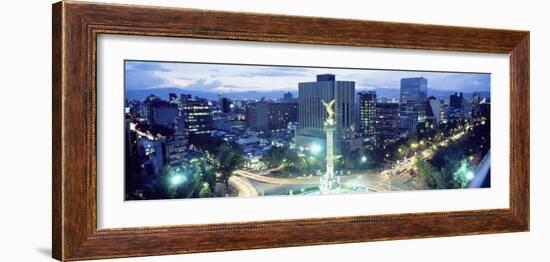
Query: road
[[243, 186], [369, 181], [396, 178]]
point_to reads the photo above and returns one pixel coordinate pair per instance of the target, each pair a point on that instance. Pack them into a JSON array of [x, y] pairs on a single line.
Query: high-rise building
[[485, 109], [173, 99], [312, 113], [151, 154], [225, 104], [386, 125], [131, 151], [433, 111], [476, 100], [456, 107], [367, 112], [412, 102], [257, 116], [288, 97], [266, 117], [196, 116], [163, 114], [145, 109], [176, 146], [443, 110], [185, 97]]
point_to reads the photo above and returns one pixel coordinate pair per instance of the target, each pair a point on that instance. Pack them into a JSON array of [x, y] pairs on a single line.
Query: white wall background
[[25, 163]]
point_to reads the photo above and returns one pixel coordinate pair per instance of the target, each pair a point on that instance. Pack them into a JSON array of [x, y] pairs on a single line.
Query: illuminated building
[[312, 113], [386, 125], [196, 116], [367, 112], [412, 102]]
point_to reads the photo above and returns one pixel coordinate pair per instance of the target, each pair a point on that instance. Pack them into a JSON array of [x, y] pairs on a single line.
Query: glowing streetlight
[[177, 180], [315, 148], [363, 159], [469, 175]]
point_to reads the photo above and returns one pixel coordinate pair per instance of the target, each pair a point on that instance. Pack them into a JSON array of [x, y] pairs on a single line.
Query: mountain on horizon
[[254, 95]]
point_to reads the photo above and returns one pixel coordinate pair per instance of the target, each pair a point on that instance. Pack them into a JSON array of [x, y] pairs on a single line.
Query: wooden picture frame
[[76, 26]]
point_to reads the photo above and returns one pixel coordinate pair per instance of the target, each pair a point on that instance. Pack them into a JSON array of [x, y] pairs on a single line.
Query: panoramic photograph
[[204, 130]]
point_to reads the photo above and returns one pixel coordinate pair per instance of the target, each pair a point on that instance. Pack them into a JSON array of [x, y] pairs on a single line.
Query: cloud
[[464, 82], [135, 80], [203, 84], [184, 78], [461, 82], [275, 72], [146, 66], [143, 75], [235, 78]]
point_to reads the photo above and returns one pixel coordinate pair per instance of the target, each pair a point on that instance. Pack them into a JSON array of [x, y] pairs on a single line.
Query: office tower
[[476, 100], [225, 104], [367, 112], [150, 151], [146, 106], [257, 116], [173, 99], [312, 113], [266, 117], [176, 145], [386, 125], [412, 102], [163, 114], [456, 107], [433, 111], [196, 115], [131, 155], [288, 97], [485, 110], [443, 110], [185, 97]]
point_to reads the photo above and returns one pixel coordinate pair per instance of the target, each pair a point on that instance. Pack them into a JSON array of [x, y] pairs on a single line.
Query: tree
[[228, 160], [349, 160], [430, 175], [274, 157]]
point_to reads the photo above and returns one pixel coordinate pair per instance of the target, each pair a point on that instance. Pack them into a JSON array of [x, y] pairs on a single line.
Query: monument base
[[329, 185]]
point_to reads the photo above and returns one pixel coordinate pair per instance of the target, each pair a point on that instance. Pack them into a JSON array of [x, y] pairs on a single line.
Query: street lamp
[[469, 175], [363, 159], [315, 148], [177, 180]]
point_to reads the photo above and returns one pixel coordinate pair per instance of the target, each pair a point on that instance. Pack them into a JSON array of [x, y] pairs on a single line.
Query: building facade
[[456, 107], [176, 146], [412, 102], [476, 101], [367, 112], [312, 113], [386, 125], [164, 114], [225, 105], [266, 117], [288, 97], [196, 115], [433, 113]]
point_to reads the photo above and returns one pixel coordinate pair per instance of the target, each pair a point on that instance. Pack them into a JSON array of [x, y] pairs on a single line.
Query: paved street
[[396, 178]]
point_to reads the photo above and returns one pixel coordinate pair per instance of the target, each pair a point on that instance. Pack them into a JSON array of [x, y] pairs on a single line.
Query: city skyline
[[231, 78], [333, 137]]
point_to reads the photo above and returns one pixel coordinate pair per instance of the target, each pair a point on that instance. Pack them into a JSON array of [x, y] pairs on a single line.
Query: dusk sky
[[221, 79]]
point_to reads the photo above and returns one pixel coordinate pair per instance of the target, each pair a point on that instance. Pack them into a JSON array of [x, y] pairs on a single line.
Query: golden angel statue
[[330, 112]]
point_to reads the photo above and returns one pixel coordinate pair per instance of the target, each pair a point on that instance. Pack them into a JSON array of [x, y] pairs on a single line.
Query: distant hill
[[163, 93], [394, 93], [253, 95]]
